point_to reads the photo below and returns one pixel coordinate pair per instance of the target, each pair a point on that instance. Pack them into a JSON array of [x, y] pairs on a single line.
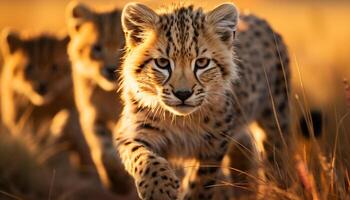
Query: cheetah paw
[[158, 181]]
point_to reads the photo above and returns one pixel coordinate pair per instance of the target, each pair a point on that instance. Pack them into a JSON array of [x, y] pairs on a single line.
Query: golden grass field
[[318, 36]]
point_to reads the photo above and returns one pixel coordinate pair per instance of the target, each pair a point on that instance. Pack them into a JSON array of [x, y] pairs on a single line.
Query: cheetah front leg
[[92, 130], [152, 173], [10, 111], [205, 175], [92, 133]]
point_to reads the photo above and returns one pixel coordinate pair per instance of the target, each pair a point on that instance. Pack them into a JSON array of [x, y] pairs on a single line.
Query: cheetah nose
[[109, 73], [41, 88], [183, 94]]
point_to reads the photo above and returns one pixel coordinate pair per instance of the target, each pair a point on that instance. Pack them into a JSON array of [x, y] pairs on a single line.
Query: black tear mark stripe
[[203, 72], [221, 67], [140, 67], [208, 70], [158, 71], [167, 80]]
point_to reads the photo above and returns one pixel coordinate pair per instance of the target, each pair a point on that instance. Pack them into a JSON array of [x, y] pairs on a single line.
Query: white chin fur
[[180, 111], [37, 100]]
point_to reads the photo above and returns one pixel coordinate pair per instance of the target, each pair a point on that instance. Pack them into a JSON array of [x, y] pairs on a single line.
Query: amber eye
[[202, 63], [162, 63], [97, 48], [96, 51]]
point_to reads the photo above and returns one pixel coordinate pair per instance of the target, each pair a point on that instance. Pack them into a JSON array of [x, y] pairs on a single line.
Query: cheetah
[[36, 72], [191, 80], [35, 86], [95, 49]]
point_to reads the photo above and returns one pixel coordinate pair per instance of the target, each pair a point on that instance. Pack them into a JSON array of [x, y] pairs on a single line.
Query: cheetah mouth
[[180, 109], [40, 100], [184, 105]]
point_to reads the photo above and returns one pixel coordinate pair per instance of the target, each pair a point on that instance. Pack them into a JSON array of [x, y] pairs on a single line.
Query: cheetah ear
[[65, 40], [77, 14], [62, 49], [11, 41], [136, 20], [224, 19]]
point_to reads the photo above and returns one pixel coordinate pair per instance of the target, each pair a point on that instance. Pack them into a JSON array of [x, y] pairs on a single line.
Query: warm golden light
[[54, 108]]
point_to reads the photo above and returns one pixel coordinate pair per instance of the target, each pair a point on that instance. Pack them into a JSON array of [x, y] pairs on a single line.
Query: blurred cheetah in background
[[95, 50], [37, 100], [35, 74]]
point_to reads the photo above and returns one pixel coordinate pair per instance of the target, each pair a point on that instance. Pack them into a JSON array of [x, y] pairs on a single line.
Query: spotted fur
[[190, 82]]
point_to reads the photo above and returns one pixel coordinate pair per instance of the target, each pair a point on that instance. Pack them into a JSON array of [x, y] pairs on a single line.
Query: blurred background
[[317, 33]]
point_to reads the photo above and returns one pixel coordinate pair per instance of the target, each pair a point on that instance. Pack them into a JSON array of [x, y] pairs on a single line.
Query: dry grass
[[18, 171], [25, 175]]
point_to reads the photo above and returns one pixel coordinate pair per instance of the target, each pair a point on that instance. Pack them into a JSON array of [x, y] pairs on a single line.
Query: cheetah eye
[[162, 63], [97, 48], [96, 51], [202, 63]]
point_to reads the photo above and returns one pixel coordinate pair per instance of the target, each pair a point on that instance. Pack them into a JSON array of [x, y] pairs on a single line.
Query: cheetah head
[[180, 58], [96, 43], [39, 66]]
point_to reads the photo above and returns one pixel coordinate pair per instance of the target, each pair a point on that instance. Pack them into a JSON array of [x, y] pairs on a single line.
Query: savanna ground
[[318, 36]]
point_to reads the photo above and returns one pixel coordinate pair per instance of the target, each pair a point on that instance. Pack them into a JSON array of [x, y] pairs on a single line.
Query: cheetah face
[[182, 60], [184, 85], [96, 45], [39, 65]]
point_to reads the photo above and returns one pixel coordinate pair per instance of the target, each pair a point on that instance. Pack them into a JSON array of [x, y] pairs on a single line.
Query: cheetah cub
[[35, 76], [95, 49], [191, 80], [36, 91]]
